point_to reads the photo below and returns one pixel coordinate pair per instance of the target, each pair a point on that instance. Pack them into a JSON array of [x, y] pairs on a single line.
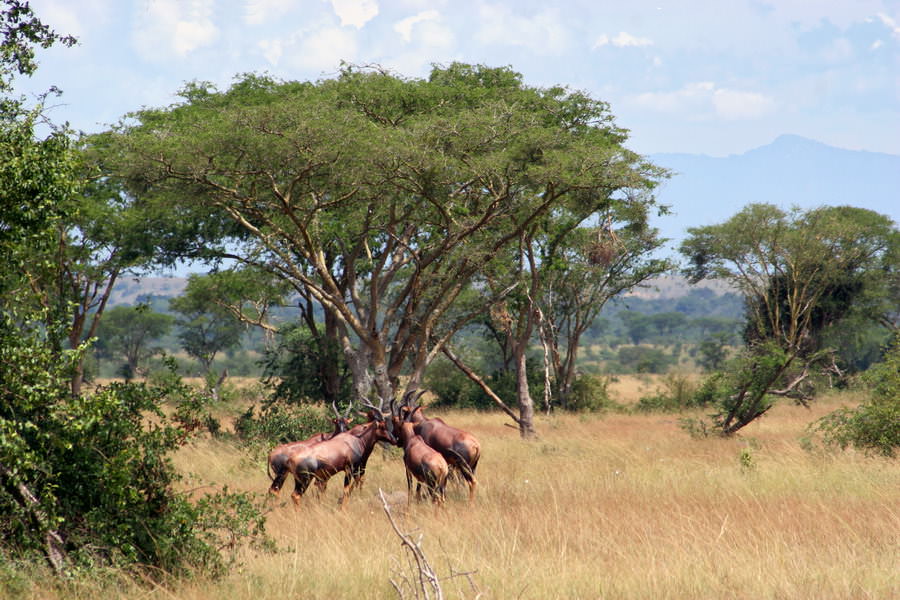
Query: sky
[[714, 77]]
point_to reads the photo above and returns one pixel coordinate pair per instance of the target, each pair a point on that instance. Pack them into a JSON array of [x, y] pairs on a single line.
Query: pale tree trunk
[[523, 395]]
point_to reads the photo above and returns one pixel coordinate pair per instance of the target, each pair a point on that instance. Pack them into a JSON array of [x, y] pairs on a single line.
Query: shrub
[[88, 481], [452, 388], [643, 359], [873, 426], [280, 423], [678, 393], [305, 369], [590, 393]]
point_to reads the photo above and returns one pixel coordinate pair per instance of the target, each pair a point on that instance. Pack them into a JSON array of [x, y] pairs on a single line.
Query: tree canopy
[[380, 197]]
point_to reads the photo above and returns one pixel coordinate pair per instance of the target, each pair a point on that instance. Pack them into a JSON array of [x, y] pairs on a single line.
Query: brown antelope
[[278, 457], [422, 462], [344, 452], [459, 448]]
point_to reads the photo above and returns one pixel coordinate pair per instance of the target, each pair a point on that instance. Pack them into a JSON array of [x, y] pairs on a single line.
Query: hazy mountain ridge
[[792, 170], [129, 289]]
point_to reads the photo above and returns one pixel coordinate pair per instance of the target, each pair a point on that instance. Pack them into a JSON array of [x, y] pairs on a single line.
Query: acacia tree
[[380, 197], [800, 272], [587, 276], [127, 331], [206, 327]]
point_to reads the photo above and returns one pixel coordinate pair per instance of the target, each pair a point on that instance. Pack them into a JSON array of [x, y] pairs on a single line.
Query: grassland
[[600, 506]]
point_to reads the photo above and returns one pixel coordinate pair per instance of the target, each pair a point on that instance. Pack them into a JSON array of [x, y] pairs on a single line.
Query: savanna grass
[[619, 506]]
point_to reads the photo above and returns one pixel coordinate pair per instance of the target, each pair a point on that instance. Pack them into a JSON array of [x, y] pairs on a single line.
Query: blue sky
[[705, 77]]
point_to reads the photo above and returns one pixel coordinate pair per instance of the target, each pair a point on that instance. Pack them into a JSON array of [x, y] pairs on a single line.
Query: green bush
[[644, 359], [678, 393], [94, 474], [873, 426], [303, 368], [590, 393], [452, 388], [280, 423]]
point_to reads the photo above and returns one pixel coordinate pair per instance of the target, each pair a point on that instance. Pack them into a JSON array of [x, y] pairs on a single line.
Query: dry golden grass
[[620, 506]]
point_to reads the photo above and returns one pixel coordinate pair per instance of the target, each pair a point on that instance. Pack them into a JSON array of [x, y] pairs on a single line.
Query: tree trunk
[[523, 395]]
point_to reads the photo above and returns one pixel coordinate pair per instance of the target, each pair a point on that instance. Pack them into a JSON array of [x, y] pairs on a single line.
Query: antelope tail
[[463, 464]]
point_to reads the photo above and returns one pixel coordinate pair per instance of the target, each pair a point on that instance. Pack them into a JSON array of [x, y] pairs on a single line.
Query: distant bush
[[644, 359], [590, 393], [452, 388], [873, 426], [303, 369], [280, 423], [678, 393]]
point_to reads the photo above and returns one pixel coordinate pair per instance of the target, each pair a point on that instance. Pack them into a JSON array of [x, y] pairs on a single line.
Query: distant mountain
[[127, 290], [792, 170]]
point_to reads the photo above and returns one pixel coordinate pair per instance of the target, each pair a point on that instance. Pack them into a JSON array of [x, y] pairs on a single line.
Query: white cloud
[[322, 50], [257, 12], [167, 27], [692, 97], [704, 99], [891, 23], [405, 27], [355, 12], [876, 44], [733, 104], [63, 17], [543, 33], [272, 50], [622, 40]]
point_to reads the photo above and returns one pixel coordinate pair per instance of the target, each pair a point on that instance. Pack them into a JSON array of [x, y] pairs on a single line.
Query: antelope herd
[[432, 451]]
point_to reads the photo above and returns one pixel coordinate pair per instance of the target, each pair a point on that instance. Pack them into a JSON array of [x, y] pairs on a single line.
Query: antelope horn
[[376, 411], [334, 407]]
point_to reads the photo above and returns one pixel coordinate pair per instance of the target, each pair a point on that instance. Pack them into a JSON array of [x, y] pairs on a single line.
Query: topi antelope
[[459, 448], [278, 457], [347, 452], [422, 462]]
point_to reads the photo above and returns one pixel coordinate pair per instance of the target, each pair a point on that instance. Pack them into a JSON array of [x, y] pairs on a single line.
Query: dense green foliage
[[85, 479], [802, 274], [296, 368], [88, 479], [874, 425]]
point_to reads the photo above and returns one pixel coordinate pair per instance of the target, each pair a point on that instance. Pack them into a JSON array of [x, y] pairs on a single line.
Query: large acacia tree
[[380, 197]]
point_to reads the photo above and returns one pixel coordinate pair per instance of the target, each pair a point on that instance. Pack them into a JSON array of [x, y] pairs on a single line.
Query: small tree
[[800, 272], [874, 425], [713, 351], [127, 331], [206, 328]]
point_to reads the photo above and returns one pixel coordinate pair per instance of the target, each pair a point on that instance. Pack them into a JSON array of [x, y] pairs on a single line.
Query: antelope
[[278, 457], [423, 462], [347, 452], [459, 448]]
